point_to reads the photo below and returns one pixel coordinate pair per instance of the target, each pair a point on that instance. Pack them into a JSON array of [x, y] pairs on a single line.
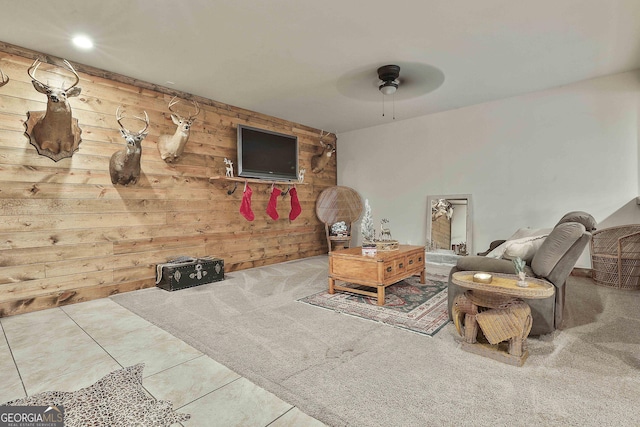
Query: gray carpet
[[345, 370]]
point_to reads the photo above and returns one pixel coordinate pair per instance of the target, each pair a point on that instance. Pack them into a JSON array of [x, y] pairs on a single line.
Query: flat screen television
[[265, 154]]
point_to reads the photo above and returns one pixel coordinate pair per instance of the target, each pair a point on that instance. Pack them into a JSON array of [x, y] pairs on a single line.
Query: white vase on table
[[522, 283]]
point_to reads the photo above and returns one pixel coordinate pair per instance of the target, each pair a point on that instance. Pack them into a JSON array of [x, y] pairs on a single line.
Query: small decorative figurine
[[385, 232], [301, 175], [229, 164], [461, 248]]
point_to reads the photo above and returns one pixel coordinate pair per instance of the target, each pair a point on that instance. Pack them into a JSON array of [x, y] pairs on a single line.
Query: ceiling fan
[[389, 79], [389, 76], [367, 82]]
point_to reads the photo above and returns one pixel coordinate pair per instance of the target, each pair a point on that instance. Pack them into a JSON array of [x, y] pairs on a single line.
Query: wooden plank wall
[[68, 235]]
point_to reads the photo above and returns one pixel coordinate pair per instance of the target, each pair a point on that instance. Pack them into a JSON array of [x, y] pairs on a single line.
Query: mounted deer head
[[171, 146], [54, 132], [441, 207], [320, 161], [124, 166], [4, 79]]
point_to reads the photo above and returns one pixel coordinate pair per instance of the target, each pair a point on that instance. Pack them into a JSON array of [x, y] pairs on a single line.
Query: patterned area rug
[[408, 304], [118, 399]]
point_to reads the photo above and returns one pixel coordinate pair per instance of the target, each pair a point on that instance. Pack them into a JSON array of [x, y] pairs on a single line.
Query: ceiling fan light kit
[[389, 88]]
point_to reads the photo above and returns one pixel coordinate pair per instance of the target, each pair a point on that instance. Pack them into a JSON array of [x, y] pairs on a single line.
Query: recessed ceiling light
[[83, 42]]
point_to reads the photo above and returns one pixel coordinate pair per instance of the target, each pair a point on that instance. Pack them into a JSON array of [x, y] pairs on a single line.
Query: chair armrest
[[492, 246], [489, 265], [629, 244]]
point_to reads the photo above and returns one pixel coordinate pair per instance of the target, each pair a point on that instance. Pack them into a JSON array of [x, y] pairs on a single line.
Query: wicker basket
[[387, 245], [615, 257]]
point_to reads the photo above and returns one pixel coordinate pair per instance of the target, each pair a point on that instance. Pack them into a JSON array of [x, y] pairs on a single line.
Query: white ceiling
[[314, 62]]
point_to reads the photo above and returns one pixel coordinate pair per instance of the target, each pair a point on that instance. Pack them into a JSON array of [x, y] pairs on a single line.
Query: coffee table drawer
[[415, 261], [395, 267]]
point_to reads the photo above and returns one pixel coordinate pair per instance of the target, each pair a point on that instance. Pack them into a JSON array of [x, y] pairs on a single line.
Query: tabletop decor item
[[385, 242], [339, 229], [366, 225], [482, 278], [519, 264], [369, 247]]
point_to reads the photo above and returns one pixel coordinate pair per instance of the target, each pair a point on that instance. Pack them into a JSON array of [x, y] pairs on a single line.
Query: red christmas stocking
[[273, 201], [295, 204], [245, 206]]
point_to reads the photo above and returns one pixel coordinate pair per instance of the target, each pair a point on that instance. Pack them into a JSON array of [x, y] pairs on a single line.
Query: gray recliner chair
[[553, 262]]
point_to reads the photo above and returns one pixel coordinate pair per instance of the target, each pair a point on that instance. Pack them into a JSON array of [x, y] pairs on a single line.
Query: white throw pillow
[[497, 251], [521, 233], [524, 248]]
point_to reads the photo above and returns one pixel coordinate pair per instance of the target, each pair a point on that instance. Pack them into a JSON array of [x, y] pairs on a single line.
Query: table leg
[[332, 283], [423, 276], [517, 346], [470, 328], [380, 295]]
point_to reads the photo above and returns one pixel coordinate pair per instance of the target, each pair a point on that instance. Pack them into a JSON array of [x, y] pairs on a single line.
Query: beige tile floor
[[72, 347]]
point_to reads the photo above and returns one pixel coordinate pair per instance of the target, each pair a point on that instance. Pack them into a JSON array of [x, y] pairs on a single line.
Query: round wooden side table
[[500, 313]]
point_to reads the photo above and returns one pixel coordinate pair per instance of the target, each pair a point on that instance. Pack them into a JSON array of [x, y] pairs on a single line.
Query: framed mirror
[[449, 227]]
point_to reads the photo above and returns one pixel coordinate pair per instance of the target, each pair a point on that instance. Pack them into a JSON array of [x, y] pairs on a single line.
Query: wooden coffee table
[[497, 309], [380, 271]]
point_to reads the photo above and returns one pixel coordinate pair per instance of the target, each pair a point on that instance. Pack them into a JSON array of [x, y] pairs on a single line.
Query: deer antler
[[145, 120], [74, 73], [322, 135], [4, 80], [175, 101], [195, 103], [120, 116], [32, 71]]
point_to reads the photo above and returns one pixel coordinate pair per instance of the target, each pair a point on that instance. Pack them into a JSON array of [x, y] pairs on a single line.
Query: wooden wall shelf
[[254, 180], [237, 179]]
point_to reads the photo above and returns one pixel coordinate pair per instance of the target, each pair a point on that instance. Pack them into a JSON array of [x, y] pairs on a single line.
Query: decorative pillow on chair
[[522, 235], [498, 251], [524, 248]]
